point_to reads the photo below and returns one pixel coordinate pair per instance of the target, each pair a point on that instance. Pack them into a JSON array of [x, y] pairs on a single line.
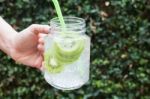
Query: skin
[[25, 47]]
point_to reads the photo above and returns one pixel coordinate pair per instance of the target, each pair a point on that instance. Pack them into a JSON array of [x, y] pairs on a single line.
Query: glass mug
[[67, 54]]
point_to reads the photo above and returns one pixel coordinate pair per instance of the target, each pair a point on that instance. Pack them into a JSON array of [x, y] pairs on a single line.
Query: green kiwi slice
[[63, 52], [68, 55], [51, 64]]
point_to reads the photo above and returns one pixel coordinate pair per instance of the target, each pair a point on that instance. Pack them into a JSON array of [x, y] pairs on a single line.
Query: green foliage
[[120, 49]]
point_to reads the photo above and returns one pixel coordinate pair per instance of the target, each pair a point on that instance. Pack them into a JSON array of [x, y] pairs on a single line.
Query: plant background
[[120, 49]]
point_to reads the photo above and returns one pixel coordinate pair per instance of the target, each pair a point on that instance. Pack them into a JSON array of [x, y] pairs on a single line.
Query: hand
[[27, 46]]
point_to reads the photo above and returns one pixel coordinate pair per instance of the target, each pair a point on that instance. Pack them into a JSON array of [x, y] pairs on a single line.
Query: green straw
[[59, 13]]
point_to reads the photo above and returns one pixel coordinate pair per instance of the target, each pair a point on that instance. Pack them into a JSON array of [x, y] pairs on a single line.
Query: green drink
[[67, 53]]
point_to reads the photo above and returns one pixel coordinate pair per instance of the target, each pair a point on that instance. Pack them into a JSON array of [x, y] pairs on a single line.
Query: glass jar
[[67, 54]]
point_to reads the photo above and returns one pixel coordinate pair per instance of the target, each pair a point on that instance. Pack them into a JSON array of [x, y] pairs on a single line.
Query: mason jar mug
[[67, 54]]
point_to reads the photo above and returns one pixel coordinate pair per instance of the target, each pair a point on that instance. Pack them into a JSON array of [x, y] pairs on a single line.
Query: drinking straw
[[59, 13]]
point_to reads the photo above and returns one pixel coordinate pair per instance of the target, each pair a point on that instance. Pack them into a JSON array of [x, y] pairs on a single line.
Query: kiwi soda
[[67, 54]]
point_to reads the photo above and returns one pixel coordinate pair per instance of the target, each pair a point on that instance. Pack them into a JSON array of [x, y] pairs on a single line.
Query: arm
[[7, 33], [27, 46]]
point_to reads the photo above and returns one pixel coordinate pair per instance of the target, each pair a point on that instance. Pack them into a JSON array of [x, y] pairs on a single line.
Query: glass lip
[[75, 21]]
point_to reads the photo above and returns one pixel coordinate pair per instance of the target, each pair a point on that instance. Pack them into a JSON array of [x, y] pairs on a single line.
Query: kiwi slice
[[51, 64], [63, 52], [68, 55]]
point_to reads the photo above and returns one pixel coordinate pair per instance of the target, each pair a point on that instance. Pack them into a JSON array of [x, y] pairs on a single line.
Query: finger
[[40, 48], [41, 41], [41, 35], [42, 67], [36, 28], [38, 65]]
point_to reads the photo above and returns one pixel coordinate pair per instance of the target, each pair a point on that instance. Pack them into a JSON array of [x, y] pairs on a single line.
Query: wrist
[[7, 36], [8, 43]]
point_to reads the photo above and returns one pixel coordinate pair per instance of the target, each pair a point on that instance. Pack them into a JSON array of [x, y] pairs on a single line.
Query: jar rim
[[72, 25], [71, 20]]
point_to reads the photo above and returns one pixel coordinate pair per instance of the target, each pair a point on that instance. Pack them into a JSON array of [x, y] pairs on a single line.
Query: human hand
[[28, 45]]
